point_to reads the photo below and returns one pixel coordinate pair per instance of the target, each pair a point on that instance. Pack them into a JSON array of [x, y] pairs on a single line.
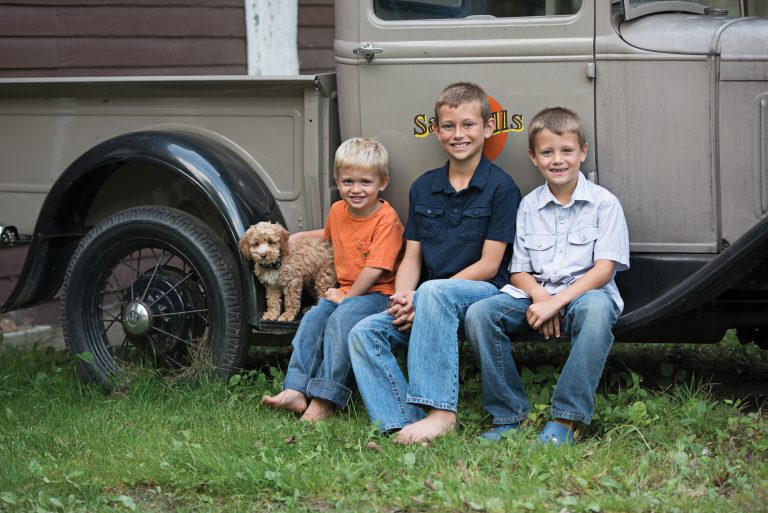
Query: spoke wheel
[[152, 287]]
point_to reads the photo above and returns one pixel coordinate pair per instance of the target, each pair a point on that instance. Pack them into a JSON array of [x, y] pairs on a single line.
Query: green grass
[[66, 446]]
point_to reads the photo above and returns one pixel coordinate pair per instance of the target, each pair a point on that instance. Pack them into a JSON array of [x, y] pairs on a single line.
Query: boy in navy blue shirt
[[461, 218], [571, 240]]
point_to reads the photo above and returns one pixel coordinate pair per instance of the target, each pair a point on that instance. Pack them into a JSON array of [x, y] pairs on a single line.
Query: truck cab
[[673, 96], [141, 187]]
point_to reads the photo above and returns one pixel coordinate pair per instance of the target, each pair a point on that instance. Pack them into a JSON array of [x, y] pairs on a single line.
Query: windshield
[[635, 8]]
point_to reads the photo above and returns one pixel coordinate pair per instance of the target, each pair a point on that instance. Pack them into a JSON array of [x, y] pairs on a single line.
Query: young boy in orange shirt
[[366, 236]]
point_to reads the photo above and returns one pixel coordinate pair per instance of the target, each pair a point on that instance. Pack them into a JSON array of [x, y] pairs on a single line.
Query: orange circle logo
[[495, 144]]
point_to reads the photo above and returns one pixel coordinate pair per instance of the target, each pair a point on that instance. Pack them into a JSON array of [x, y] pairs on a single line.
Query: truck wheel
[[152, 287]]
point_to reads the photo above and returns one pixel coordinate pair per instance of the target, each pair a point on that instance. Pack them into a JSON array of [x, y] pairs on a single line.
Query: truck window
[[733, 6], [391, 10]]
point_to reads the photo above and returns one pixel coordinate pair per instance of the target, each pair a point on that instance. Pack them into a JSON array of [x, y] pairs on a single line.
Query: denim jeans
[[588, 320], [319, 365], [433, 354]]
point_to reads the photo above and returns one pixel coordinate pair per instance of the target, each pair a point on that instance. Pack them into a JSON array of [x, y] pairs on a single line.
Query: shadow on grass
[[732, 370]]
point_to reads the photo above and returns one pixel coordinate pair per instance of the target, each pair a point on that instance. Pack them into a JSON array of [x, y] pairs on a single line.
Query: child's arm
[[406, 281], [488, 265], [544, 309], [318, 234], [365, 280]]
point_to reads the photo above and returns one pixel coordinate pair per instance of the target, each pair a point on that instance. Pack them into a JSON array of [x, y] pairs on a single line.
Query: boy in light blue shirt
[[571, 239]]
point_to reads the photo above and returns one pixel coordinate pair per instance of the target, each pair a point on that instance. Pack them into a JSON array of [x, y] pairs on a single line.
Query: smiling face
[[558, 158], [462, 131], [360, 188]]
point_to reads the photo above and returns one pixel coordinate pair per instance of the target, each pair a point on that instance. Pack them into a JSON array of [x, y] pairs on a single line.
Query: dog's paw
[[286, 317], [269, 316]]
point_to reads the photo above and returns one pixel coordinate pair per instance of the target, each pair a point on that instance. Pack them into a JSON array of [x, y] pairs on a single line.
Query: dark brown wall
[[11, 263], [121, 37], [315, 38], [40, 38]]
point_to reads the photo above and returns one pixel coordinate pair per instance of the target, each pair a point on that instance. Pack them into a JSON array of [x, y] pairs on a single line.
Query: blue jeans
[[588, 320], [433, 354], [319, 365]]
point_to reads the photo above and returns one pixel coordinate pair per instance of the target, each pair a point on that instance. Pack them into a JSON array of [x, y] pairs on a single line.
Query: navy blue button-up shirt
[[452, 226]]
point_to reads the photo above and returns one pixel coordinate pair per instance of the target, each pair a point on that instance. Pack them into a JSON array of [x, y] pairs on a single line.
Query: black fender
[[712, 279], [224, 178], [660, 290]]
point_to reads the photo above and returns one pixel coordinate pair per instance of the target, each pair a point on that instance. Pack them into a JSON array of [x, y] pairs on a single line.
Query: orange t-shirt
[[373, 241]]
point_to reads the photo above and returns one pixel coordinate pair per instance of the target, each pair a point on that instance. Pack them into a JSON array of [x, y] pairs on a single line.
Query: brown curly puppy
[[286, 267]]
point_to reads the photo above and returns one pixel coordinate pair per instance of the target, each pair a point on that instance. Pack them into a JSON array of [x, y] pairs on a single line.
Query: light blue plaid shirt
[[557, 244]]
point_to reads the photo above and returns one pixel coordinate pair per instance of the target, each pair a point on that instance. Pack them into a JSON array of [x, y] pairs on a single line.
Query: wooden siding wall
[[315, 37], [41, 38], [47, 38]]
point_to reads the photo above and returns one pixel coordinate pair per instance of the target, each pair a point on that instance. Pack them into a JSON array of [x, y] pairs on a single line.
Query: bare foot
[[318, 409], [436, 423], [288, 399]]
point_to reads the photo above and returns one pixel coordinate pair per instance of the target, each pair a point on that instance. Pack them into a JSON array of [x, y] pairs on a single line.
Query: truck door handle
[[367, 50]]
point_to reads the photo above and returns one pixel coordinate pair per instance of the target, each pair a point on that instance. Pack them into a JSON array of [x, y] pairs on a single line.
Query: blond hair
[[557, 120], [362, 152], [460, 93]]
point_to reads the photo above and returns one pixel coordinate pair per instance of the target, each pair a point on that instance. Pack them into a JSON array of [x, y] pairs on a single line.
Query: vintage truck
[[141, 187]]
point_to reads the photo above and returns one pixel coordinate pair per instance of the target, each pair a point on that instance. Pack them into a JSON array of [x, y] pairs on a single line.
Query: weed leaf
[[87, 357]]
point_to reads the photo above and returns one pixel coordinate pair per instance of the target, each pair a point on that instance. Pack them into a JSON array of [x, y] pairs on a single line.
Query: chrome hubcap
[[136, 318]]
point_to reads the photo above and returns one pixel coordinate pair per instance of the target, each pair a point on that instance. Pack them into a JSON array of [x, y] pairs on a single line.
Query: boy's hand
[[335, 295], [401, 308], [544, 317], [551, 327]]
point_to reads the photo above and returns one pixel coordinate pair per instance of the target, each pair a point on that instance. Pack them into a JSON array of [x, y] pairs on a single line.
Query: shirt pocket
[[430, 221], [581, 246], [361, 253], [540, 250], [474, 223]]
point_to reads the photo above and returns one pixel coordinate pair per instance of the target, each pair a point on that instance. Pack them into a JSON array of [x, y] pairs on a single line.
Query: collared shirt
[[452, 226], [558, 244]]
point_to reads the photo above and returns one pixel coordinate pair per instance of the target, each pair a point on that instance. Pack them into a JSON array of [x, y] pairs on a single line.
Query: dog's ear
[[283, 241], [245, 243]]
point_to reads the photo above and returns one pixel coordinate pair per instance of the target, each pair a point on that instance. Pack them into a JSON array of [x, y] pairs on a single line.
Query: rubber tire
[[150, 227]]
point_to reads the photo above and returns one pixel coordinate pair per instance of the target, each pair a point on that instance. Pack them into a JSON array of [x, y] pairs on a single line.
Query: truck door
[[394, 56]]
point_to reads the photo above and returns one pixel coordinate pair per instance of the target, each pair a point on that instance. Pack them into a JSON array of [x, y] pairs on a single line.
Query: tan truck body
[[675, 106]]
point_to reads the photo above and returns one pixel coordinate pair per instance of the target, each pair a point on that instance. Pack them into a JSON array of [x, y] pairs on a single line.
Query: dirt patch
[[738, 373]]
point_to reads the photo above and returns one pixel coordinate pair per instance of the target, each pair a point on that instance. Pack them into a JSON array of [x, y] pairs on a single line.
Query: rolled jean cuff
[[561, 414], [435, 405], [329, 390], [296, 382], [392, 427], [503, 421]]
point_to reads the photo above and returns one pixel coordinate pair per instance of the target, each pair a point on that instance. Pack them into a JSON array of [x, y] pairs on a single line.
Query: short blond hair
[[557, 120], [362, 152], [460, 93]]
